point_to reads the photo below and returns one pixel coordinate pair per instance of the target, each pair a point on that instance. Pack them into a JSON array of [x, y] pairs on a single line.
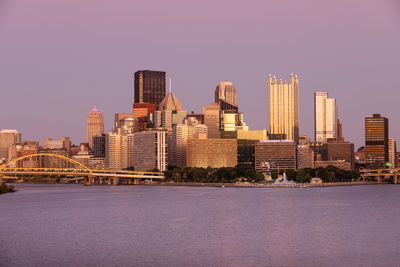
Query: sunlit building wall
[[150, 150], [211, 119], [393, 156], [325, 117], [95, 125], [8, 138], [376, 141], [227, 92], [214, 153], [283, 116]]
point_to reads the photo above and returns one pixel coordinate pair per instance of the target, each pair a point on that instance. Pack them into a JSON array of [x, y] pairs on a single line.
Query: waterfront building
[[304, 140], [24, 149], [247, 140], [283, 115], [226, 92], [149, 87], [393, 156], [305, 156], [214, 153], [83, 155], [341, 150], [320, 151], [97, 163], [54, 144], [150, 150], [339, 131], [8, 138], [376, 141], [180, 134], [211, 119], [95, 125], [118, 119], [275, 155], [118, 148], [359, 157], [325, 117]]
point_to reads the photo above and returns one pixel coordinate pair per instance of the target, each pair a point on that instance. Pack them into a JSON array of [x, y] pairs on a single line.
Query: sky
[[59, 58]]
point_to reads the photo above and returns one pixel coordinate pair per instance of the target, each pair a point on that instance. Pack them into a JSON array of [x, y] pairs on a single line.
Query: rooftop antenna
[[170, 85]]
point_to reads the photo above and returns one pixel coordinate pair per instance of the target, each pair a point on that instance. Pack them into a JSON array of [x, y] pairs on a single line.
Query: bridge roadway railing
[[378, 173]]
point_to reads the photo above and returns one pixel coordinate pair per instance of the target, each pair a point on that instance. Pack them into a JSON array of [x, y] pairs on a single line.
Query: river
[[75, 225]]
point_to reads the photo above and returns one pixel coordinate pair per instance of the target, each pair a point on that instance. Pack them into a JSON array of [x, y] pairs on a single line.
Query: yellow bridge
[[15, 168], [381, 174]]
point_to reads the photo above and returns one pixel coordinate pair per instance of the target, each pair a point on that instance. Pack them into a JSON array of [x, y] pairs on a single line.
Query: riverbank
[[5, 188], [268, 185]]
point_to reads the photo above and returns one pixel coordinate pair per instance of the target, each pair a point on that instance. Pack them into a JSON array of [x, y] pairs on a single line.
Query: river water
[[74, 225]]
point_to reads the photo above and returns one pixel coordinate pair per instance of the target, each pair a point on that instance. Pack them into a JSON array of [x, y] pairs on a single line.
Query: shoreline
[[237, 185]]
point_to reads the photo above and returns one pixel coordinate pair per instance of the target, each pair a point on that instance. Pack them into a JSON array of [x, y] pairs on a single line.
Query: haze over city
[[59, 59]]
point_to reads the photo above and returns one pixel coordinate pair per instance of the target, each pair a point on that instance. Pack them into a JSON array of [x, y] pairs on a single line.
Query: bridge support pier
[[395, 178], [135, 181], [89, 180], [115, 181]]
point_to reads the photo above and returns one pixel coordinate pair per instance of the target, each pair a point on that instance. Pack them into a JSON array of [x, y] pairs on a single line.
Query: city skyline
[[65, 71]]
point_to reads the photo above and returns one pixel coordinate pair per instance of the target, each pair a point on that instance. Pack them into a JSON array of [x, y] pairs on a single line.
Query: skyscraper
[[393, 156], [325, 117], [95, 125], [170, 113], [149, 87], [150, 150], [8, 138], [283, 116], [212, 119], [376, 141], [225, 91]]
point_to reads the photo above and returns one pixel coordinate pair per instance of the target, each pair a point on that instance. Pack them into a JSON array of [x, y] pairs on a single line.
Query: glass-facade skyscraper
[[325, 117], [376, 141], [283, 115], [149, 87]]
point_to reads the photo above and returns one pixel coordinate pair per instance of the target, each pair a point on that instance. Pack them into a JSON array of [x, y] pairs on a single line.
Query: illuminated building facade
[[95, 125], [275, 155], [283, 115], [325, 117]]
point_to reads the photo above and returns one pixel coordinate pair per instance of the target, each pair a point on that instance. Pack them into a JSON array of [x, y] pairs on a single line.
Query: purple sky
[[59, 58]]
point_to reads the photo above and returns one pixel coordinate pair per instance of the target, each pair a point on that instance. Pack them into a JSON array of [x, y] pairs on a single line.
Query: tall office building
[[180, 134], [170, 113], [119, 150], [283, 116], [149, 87], [95, 125], [325, 117], [393, 156], [8, 138], [376, 141], [212, 119], [275, 155], [150, 150], [225, 91]]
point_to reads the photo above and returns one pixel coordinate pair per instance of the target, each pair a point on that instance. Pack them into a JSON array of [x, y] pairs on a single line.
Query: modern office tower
[[211, 119], [305, 156], [214, 153], [393, 156], [170, 113], [149, 87], [225, 91], [376, 141], [141, 111], [246, 145], [339, 131], [275, 155], [118, 117], [325, 117], [117, 149], [8, 138], [99, 146], [180, 134], [95, 125], [338, 150], [150, 150], [283, 108]]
